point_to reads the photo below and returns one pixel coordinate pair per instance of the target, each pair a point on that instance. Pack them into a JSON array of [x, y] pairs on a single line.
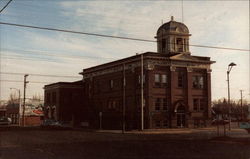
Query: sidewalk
[[207, 132]]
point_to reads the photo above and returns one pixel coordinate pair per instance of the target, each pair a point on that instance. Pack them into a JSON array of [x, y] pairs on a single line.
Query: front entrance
[[181, 120], [181, 117]]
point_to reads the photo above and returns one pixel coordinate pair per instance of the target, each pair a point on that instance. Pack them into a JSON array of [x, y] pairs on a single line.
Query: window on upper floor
[[164, 79], [111, 84], [198, 81], [139, 79], [180, 80], [157, 80], [160, 80]]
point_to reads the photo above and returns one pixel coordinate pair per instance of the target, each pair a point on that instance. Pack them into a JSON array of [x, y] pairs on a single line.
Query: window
[[164, 80], [199, 104], [202, 104], [158, 123], [180, 45], [165, 123], [195, 104], [139, 79], [160, 80], [164, 104], [157, 104], [180, 80], [111, 82], [157, 80], [198, 82], [163, 44]]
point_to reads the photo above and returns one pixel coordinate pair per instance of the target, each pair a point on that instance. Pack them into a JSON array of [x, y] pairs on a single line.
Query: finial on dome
[[172, 18]]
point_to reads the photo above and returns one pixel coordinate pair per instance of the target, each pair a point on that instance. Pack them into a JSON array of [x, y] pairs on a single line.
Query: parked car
[[5, 121], [53, 124], [50, 123], [220, 122]]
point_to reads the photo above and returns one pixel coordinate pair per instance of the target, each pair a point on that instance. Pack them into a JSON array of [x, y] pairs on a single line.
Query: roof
[[63, 84], [174, 27], [149, 55]]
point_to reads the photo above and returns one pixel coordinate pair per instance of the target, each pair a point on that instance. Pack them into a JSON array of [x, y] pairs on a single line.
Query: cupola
[[173, 37]]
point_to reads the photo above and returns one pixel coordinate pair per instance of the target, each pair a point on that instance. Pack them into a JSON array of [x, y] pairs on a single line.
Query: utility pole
[[124, 100], [142, 98], [24, 94], [241, 106]]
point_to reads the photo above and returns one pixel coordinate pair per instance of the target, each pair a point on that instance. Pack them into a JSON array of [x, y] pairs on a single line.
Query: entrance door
[[181, 120], [181, 116]]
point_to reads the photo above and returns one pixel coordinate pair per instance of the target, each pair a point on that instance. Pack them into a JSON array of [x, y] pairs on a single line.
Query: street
[[30, 143]]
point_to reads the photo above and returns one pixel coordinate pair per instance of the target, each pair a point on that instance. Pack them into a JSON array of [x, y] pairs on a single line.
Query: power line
[[111, 36], [5, 6], [45, 75], [75, 32], [55, 55], [22, 81]]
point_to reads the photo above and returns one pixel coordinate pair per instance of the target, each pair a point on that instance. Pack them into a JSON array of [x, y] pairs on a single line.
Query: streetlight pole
[[230, 66], [19, 107]]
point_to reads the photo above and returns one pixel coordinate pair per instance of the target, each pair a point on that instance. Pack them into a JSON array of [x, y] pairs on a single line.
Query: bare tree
[[238, 111]]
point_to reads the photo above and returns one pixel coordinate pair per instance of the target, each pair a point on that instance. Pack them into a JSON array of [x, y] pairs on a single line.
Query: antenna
[[182, 18]]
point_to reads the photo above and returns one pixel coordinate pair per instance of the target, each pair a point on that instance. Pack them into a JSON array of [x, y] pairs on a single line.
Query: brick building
[[176, 87], [64, 101]]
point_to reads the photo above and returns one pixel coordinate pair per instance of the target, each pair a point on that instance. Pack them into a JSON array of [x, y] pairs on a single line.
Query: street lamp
[[230, 66], [19, 108]]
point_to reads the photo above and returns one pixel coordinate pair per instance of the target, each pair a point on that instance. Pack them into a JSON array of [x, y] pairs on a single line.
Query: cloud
[[213, 23]]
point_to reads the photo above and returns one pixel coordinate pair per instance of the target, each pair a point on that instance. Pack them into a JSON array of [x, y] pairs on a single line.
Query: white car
[[5, 121]]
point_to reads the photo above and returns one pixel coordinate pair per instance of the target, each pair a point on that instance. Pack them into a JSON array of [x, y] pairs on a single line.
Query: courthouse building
[[176, 86]]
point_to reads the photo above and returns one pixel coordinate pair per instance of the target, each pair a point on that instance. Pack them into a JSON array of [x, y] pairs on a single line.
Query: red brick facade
[[175, 95], [64, 101]]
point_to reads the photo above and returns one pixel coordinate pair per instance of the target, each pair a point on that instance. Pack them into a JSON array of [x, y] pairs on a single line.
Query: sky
[[32, 51]]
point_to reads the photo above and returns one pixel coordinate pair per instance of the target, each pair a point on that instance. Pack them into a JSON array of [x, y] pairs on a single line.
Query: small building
[[64, 101], [12, 111], [2, 112]]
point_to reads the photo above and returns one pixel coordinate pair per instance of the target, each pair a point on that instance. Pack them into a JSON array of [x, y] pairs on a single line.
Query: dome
[[173, 27]]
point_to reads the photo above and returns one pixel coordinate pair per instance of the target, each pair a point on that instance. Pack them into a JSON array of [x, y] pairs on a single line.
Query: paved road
[[78, 144]]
